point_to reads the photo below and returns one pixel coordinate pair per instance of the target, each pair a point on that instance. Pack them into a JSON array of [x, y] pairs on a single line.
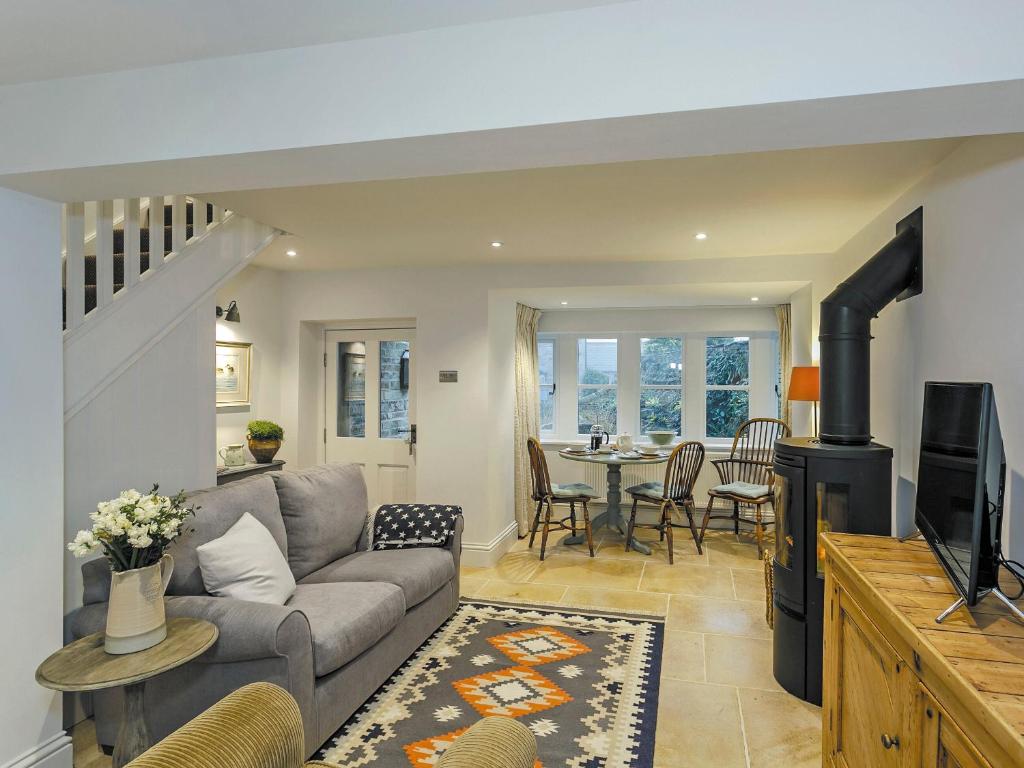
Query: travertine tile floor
[[720, 707]]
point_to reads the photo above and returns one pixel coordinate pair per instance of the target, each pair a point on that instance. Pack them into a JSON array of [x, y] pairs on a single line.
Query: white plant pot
[[135, 613]]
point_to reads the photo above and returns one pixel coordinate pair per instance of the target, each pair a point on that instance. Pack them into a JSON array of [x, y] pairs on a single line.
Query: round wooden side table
[[85, 666]]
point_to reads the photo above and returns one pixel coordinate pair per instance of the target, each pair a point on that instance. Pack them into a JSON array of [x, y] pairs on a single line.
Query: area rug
[[585, 683]]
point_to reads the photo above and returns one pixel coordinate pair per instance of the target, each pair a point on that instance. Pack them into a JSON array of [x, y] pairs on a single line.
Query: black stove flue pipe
[[845, 331]]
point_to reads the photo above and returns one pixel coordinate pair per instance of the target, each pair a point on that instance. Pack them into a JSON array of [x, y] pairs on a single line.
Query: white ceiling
[[47, 39], [790, 202], [659, 296]]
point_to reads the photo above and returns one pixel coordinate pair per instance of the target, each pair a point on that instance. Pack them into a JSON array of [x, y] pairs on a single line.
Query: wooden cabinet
[[901, 691], [943, 744]]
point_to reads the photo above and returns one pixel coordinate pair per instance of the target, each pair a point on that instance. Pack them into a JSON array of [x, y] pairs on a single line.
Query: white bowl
[[661, 437]]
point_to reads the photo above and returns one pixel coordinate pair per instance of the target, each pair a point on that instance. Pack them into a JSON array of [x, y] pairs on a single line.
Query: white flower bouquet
[[134, 529]]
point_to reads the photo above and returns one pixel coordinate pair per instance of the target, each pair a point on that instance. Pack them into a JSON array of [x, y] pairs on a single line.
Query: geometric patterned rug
[[585, 683]]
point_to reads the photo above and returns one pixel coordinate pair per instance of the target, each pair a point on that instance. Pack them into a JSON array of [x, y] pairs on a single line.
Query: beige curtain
[[783, 313], [527, 421]]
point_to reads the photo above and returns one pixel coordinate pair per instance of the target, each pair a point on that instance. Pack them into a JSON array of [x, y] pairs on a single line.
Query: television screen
[[960, 483]]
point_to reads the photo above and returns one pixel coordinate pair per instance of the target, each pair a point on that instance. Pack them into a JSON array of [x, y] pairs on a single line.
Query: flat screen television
[[960, 481]]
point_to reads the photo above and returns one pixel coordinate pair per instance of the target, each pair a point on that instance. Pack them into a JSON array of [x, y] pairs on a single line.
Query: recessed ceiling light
[[754, 298], [565, 303], [496, 244], [701, 236], [291, 254]]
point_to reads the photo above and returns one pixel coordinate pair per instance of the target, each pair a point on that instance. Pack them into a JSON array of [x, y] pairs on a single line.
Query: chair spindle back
[[754, 443], [681, 472], [538, 469]]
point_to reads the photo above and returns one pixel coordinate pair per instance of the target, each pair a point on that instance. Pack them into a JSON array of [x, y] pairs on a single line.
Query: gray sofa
[[355, 617]]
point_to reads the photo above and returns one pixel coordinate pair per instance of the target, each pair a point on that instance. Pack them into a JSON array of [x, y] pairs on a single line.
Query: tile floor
[[720, 707]]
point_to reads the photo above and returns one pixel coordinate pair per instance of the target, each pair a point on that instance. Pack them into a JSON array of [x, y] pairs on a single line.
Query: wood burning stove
[[843, 481]]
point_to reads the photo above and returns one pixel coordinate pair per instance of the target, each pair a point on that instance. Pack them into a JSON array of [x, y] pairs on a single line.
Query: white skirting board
[[487, 555], [55, 752]]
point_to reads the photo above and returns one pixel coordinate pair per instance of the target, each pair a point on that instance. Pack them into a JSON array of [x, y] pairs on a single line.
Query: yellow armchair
[[259, 726]]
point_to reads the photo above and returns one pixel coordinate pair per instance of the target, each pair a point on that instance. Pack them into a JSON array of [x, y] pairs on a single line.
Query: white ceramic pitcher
[[625, 442], [135, 614], [233, 455]]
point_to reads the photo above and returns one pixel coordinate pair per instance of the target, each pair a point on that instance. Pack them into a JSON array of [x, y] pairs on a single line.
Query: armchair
[[747, 476]]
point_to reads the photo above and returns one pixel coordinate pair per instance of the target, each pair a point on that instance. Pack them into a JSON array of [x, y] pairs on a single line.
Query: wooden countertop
[[976, 654]]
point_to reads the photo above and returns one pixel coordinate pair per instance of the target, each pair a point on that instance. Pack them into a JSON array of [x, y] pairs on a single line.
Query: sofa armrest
[[494, 742], [454, 544], [257, 726], [248, 631]]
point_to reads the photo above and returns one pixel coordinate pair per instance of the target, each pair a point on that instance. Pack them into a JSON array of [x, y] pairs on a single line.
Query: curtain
[[527, 416], [783, 313]]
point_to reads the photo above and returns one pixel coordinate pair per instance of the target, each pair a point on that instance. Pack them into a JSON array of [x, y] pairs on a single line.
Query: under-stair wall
[[139, 401]]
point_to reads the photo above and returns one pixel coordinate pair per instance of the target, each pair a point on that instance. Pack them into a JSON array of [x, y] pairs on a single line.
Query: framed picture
[[353, 372], [234, 366]]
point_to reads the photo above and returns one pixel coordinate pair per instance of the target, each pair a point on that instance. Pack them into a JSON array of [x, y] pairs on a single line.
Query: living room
[[421, 303]]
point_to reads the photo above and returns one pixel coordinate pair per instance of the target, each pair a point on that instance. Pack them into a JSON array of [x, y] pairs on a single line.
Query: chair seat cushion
[[571, 490], [346, 619], [419, 573], [747, 490], [650, 490]]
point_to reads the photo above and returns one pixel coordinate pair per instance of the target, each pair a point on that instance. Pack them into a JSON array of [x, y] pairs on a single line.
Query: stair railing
[[93, 257]]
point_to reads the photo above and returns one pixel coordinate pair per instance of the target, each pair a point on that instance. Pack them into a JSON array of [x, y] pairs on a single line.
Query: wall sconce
[[230, 314]]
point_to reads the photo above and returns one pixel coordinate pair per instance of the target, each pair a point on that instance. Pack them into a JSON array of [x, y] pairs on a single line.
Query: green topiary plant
[[261, 429]]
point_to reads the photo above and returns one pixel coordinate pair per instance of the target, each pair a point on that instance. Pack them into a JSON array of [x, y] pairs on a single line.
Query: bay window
[[701, 386]]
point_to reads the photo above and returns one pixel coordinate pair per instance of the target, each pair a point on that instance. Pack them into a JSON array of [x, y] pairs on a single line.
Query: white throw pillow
[[246, 564]]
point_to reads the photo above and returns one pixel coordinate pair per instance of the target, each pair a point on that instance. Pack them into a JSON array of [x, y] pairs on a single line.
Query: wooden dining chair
[[673, 495], [747, 475], [547, 494]]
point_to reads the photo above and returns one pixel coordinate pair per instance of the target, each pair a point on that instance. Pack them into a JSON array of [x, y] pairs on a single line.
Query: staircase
[[118, 253], [146, 266]]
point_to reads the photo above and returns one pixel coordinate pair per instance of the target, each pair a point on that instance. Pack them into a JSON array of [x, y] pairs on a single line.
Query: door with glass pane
[[371, 407]]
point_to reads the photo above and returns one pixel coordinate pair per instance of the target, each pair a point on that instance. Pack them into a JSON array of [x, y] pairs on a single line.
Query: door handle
[[411, 440]]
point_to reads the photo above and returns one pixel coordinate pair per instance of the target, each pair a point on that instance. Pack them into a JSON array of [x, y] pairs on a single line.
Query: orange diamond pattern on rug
[[426, 753], [537, 645], [511, 692]]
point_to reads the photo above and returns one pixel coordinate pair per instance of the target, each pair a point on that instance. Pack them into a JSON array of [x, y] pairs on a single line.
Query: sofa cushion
[[346, 619], [219, 509], [419, 572], [246, 564], [324, 510]]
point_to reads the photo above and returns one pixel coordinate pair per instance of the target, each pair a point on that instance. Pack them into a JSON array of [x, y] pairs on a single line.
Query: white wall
[[31, 529], [465, 319], [258, 293], [155, 423], [966, 325]]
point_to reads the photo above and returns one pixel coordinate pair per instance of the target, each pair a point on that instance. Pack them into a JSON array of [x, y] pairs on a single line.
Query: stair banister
[[104, 253], [74, 264], [132, 242], [156, 232]]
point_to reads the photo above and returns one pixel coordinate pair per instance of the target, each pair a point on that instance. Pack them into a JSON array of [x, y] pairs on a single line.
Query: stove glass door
[[833, 502]]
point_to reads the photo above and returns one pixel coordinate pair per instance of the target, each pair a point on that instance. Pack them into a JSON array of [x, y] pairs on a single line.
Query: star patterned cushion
[[404, 526]]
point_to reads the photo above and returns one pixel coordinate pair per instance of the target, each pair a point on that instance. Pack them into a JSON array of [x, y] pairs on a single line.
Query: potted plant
[[264, 440], [133, 531]]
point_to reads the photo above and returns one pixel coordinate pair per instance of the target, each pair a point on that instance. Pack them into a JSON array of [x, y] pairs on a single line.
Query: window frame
[[681, 386], [614, 387], [763, 375], [552, 339], [709, 388]]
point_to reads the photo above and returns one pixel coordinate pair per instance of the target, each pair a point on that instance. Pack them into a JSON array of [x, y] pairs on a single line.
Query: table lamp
[[804, 387]]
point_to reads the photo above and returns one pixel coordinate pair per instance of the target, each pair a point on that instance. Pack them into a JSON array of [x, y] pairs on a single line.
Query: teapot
[[233, 455], [625, 442]]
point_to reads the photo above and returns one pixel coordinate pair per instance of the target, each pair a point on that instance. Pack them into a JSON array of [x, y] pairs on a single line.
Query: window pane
[[661, 361], [351, 389], [547, 408], [597, 361], [727, 409], [728, 360], [394, 389], [597, 406], [546, 358], [660, 409]]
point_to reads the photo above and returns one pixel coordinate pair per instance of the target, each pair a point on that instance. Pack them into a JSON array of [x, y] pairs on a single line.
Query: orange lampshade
[[804, 385]]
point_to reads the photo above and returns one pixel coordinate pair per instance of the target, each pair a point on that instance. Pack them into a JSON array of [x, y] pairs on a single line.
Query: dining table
[[612, 518]]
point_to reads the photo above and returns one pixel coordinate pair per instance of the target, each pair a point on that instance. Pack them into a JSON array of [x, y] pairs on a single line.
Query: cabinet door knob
[[890, 741]]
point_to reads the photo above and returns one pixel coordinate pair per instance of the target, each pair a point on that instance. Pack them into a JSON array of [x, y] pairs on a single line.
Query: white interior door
[[371, 409]]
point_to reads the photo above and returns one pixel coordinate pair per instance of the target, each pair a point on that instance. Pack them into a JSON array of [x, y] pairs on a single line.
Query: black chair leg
[[572, 516], [536, 523], [666, 528], [707, 519], [689, 507]]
